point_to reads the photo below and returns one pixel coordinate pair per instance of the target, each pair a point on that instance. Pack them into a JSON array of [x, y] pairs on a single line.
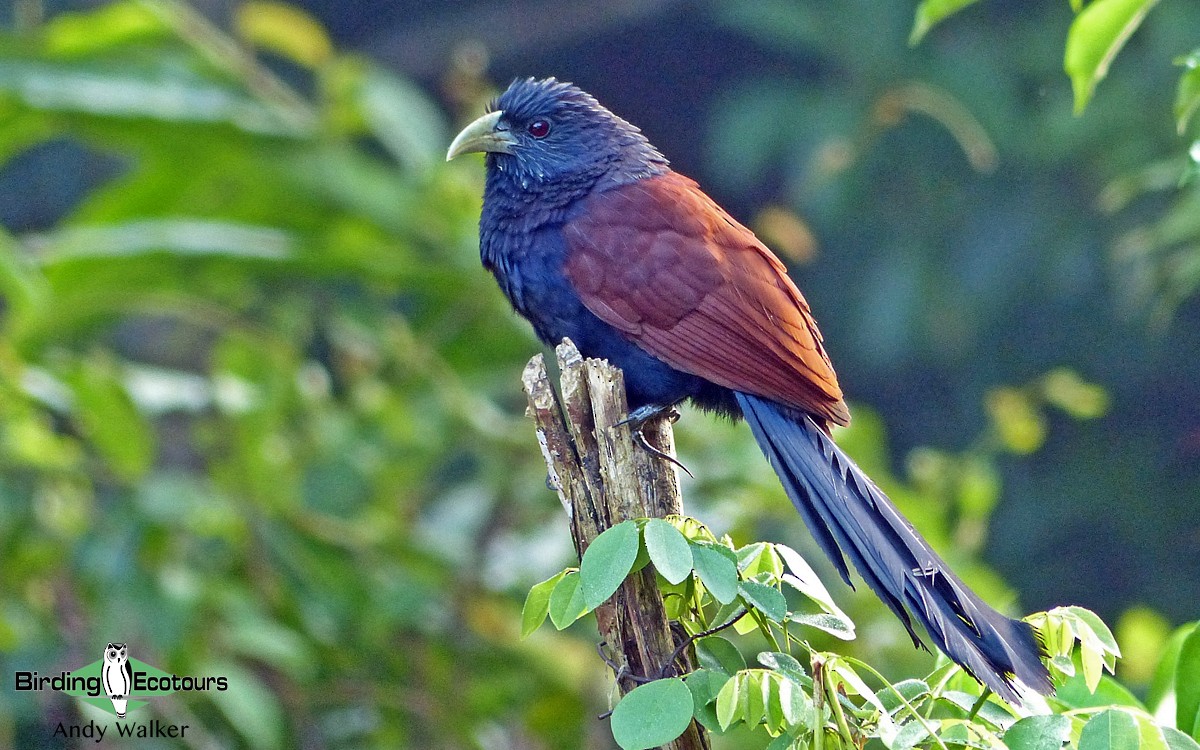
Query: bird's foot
[[644, 414], [640, 417]]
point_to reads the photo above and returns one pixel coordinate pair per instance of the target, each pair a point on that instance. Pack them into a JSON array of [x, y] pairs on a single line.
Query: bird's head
[[547, 132]]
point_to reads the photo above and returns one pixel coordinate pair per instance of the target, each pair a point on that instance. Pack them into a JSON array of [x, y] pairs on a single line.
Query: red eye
[[539, 128]]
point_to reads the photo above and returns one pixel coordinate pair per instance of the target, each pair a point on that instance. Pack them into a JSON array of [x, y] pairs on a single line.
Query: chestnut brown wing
[[662, 262]]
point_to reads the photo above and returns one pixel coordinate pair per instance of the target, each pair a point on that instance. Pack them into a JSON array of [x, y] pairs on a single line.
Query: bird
[[592, 236]]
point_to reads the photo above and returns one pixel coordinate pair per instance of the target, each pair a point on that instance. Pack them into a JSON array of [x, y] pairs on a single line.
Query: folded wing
[[662, 262]]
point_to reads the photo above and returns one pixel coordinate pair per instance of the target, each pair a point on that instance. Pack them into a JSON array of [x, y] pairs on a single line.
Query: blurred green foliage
[[245, 394], [259, 412]]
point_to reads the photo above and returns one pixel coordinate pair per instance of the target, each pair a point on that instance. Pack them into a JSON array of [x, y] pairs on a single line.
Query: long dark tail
[[847, 513]]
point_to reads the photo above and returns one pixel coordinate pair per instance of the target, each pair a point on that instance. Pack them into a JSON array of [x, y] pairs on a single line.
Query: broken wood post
[[603, 478]]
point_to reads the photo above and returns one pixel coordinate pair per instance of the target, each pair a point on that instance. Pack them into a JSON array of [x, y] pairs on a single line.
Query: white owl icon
[[118, 676]]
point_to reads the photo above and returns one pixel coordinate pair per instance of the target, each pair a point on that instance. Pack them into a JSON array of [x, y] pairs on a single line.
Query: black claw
[[637, 420], [640, 437]]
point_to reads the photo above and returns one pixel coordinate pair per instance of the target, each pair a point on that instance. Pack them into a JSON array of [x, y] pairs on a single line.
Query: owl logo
[[118, 676]]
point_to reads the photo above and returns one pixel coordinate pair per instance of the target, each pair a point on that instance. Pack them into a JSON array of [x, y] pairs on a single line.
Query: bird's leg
[[644, 414], [637, 420]]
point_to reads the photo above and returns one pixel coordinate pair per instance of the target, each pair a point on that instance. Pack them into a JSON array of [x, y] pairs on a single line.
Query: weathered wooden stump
[[603, 478]]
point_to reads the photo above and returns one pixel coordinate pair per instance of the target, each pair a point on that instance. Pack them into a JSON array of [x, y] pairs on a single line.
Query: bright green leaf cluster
[[762, 696], [1061, 628], [1094, 711], [708, 585], [704, 581], [711, 585]]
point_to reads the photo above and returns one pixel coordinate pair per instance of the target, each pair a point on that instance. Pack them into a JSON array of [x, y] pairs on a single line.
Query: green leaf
[[1150, 733], [796, 704], [1163, 682], [403, 118], [1187, 94], [705, 685], [729, 701], [784, 742], [567, 603], [735, 612], [23, 287], [677, 598], [754, 696], [978, 486], [1110, 730], [717, 568], [765, 599], [537, 604], [252, 709], [285, 30], [1017, 419], [914, 732], [783, 690], [166, 93], [1064, 388], [932, 12], [668, 549], [642, 559], [1096, 35], [910, 690], [785, 664], [1097, 647], [607, 561], [176, 236], [759, 558], [1075, 693], [804, 579], [1187, 685], [835, 626], [1177, 740], [692, 530], [110, 420], [1039, 733], [77, 34], [652, 714], [1097, 627], [716, 653], [1092, 661], [271, 643]]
